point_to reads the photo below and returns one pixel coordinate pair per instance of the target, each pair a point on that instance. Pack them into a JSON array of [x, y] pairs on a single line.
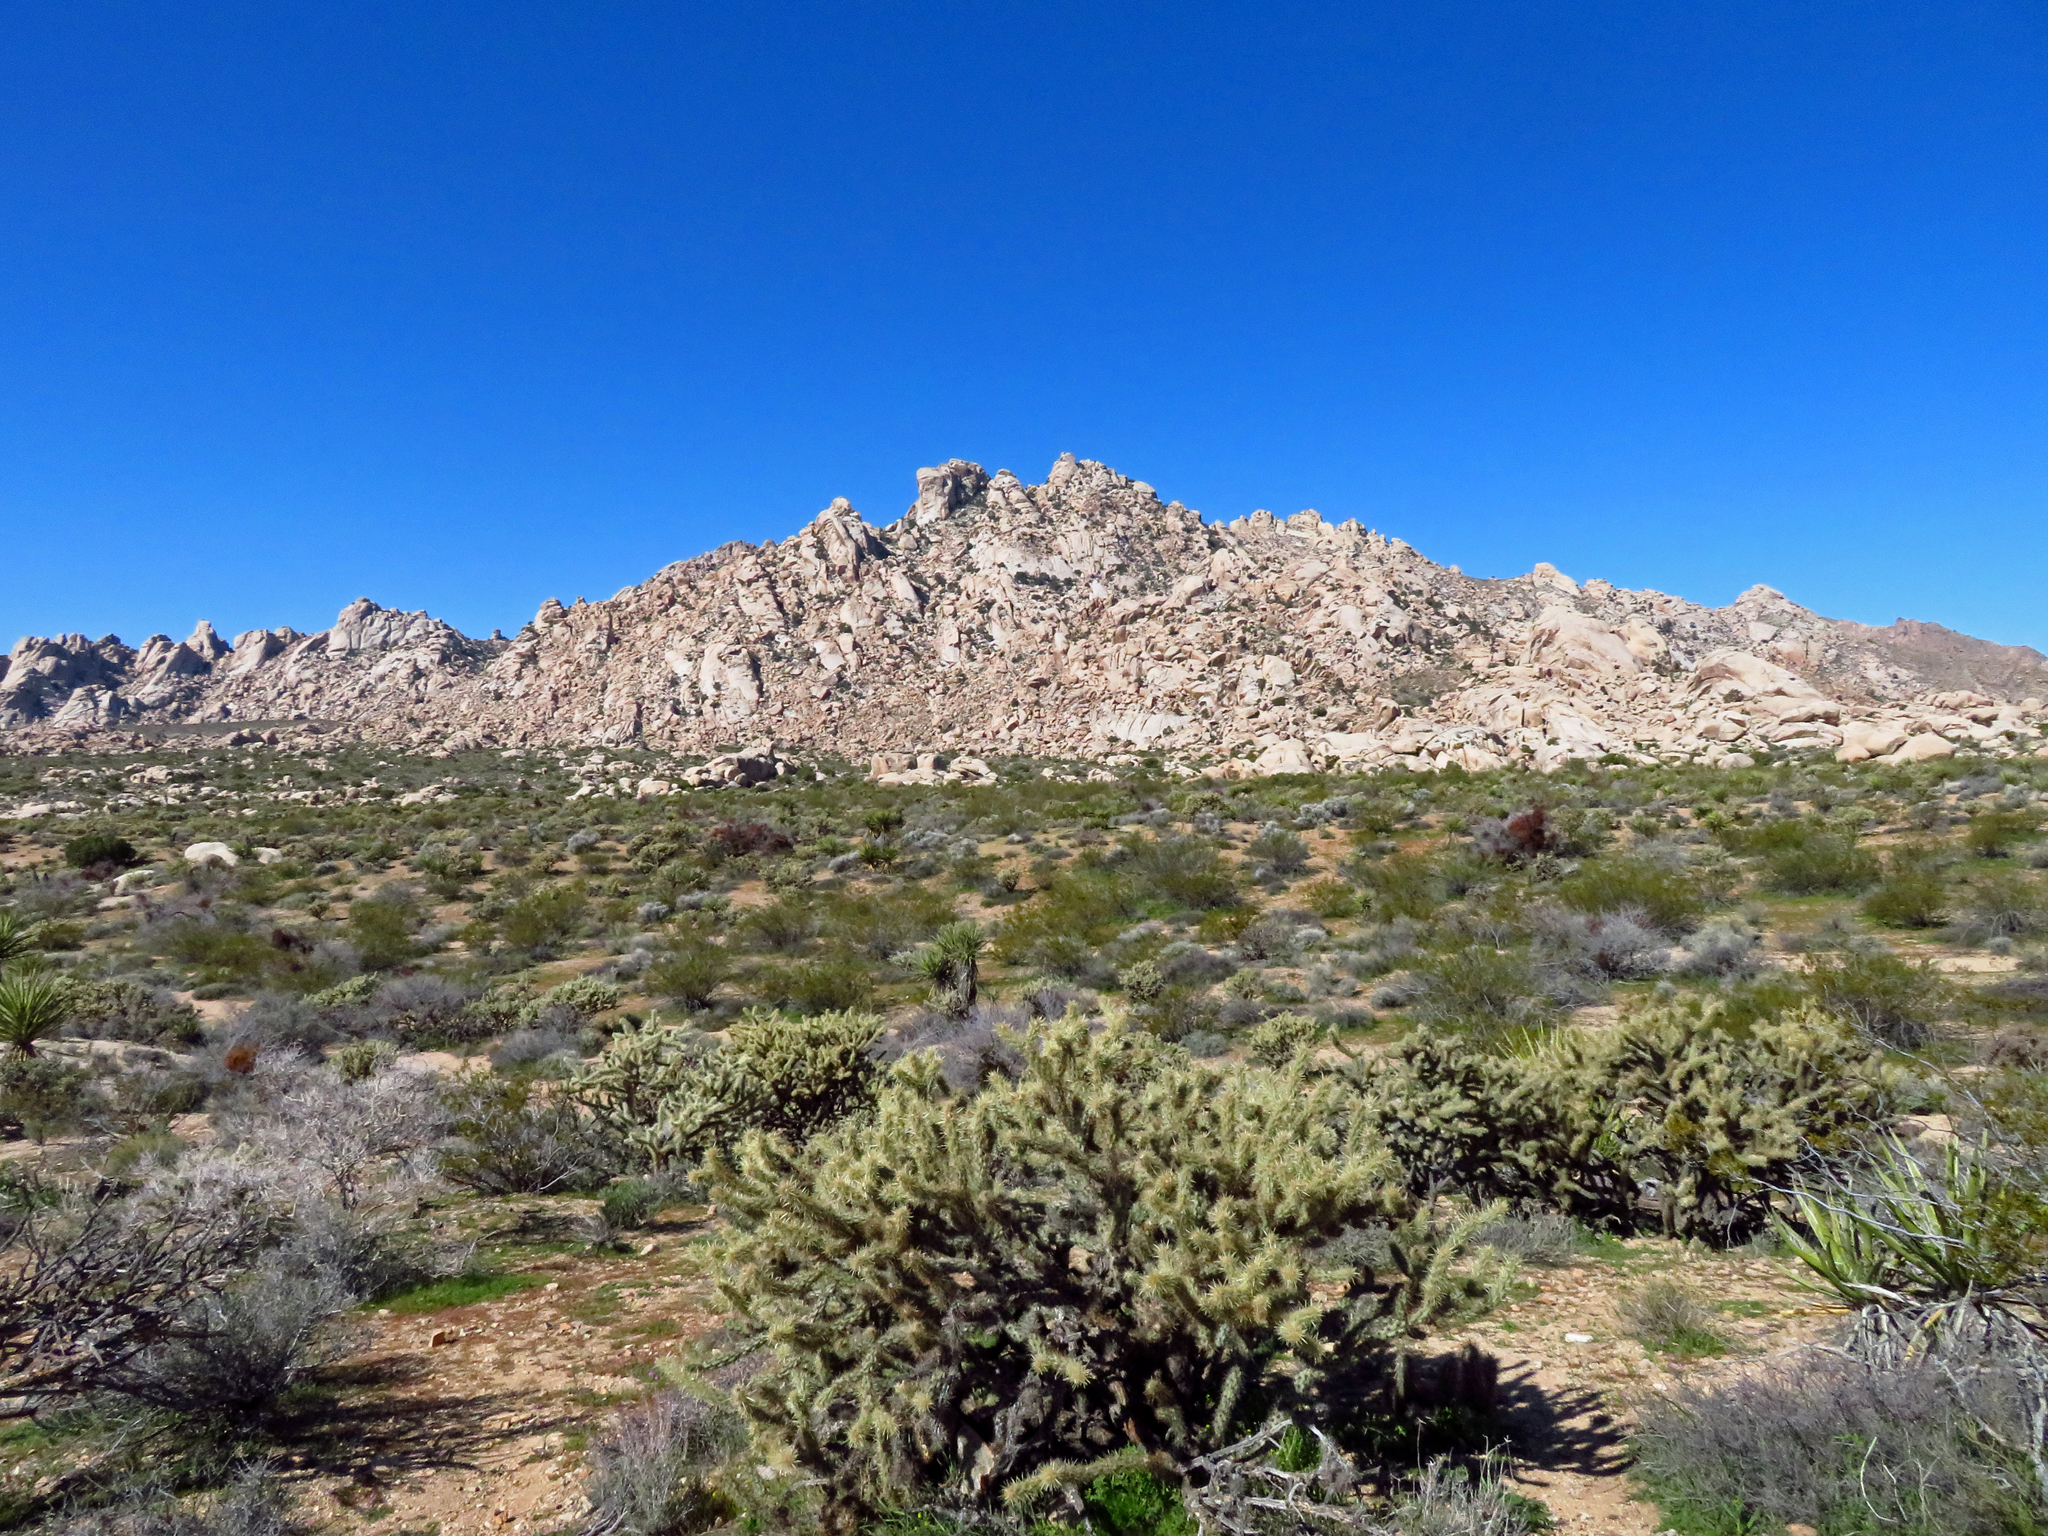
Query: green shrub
[[1912, 894], [92, 850], [1278, 848], [40, 1097], [514, 1138], [1329, 898], [1826, 862], [782, 926], [1188, 872], [1991, 834], [114, 1009], [688, 974], [382, 927], [1671, 1316], [546, 919], [830, 983], [1665, 896], [1400, 885], [1889, 999], [1479, 989]]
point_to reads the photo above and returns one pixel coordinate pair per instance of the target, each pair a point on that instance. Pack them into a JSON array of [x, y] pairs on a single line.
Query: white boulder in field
[[212, 853]]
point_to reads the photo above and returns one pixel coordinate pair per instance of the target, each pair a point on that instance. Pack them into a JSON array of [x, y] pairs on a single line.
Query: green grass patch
[[459, 1291]]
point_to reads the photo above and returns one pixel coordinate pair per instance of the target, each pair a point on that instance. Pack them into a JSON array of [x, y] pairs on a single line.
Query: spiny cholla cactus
[[1274, 1042], [670, 1095], [1110, 1257], [1457, 1117], [1718, 1120]]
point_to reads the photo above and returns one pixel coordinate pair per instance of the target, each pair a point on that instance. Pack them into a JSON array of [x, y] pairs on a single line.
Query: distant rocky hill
[[1079, 617]]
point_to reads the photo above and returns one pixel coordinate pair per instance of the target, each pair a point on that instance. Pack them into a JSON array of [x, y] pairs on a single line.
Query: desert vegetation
[[1095, 1148]]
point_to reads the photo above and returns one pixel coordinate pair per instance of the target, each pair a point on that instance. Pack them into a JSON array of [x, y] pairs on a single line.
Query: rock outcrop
[[1082, 617]]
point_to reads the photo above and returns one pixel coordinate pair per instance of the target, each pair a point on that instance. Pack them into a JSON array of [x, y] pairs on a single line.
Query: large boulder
[[1565, 640], [212, 853], [1726, 672]]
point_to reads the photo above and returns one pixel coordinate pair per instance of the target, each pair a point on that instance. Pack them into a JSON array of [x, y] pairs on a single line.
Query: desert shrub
[[653, 1469], [254, 1502], [1630, 883], [1278, 849], [100, 1281], [883, 925], [40, 1097], [689, 973], [346, 1133], [449, 872], [1516, 839], [1991, 834], [1548, 1239], [1400, 885], [423, 1013], [101, 850], [831, 983], [541, 921], [1837, 1445], [742, 839], [782, 926], [582, 997], [1721, 949], [1616, 945], [670, 1096], [545, 1049], [236, 1350], [1481, 990], [1030, 1269], [2002, 903], [1828, 861], [630, 1203], [382, 928], [114, 1009], [1890, 999], [360, 1060], [1912, 893], [1189, 872], [1057, 931], [516, 1138], [1671, 1316], [1329, 898]]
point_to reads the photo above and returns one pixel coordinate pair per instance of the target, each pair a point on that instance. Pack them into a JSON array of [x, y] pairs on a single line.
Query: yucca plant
[[1925, 1256], [14, 940], [951, 966], [32, 1007]]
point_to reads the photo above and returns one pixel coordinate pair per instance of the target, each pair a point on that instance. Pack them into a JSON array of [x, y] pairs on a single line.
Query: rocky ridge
[[1082, 617]]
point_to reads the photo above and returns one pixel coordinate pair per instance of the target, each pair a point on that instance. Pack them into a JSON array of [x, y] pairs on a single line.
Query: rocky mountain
[[1079, 617]]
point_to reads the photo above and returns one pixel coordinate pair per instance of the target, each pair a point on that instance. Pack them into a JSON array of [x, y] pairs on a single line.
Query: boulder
[[1919, 749], [212, 853], [1285, 757], [1730, 671], [1865, 739], [1566, 640]]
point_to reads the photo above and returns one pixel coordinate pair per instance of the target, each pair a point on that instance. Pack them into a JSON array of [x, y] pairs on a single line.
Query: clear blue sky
[[464, 305]]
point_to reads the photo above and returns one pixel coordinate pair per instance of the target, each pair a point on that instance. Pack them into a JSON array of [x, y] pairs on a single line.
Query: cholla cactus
[[1489, 1126], [1718, 1121], [1108, 1259], [1276, 1041], [670, 1095]]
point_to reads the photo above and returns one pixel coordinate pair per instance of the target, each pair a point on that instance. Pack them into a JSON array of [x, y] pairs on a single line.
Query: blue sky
[[463, 306]]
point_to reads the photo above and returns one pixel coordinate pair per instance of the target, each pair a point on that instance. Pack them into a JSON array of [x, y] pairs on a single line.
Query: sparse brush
[[1671, 1316]]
